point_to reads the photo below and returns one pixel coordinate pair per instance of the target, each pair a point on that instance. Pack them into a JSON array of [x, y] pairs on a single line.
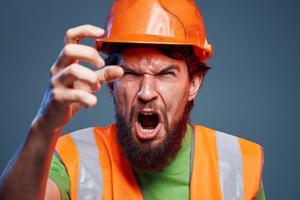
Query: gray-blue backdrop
[[252, 90]]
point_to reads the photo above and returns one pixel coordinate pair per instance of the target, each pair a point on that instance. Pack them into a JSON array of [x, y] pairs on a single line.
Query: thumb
[[110, 73]]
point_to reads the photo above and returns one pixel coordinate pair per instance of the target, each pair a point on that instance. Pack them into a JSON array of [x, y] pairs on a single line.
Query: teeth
[[148, 113]]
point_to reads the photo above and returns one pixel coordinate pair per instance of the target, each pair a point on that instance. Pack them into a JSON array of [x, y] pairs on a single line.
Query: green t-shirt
[[59, 175], [170, 183]]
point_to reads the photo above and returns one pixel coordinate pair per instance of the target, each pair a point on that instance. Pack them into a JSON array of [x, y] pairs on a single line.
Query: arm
[[72, 86], [26, 174], [52, 191]]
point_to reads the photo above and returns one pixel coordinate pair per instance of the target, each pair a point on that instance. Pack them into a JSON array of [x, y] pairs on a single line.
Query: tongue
[[148, 121]]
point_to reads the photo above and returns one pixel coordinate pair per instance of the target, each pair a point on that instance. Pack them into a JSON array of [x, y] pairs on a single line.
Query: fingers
[[80, 82], [110, 73], [74, 52], [68, 96], [74, 35], [75, 85], [72, 85], [81, 94], [78, 52], [75, 72]]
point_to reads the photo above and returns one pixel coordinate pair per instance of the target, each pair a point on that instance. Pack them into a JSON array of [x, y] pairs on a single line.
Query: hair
[[179, 52]]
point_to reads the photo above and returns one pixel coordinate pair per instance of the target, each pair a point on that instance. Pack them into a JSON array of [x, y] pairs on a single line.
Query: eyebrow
[[126, 68], [169, 68], [166, 69]]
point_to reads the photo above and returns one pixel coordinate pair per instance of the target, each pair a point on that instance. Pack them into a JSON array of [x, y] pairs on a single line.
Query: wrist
[[41, 126]]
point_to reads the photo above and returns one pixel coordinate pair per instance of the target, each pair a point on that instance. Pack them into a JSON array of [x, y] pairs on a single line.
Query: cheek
[[124, 93], [174, 97]]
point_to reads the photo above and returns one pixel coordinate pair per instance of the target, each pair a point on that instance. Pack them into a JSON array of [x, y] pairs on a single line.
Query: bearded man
[[154, 69]]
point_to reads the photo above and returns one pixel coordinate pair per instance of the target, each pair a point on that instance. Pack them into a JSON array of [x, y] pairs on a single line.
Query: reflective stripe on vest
[[80, 155], [230, 166], [90, 174], [224, 167]]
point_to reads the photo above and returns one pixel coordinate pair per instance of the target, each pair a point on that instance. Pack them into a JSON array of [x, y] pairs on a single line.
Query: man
[[155, 67]]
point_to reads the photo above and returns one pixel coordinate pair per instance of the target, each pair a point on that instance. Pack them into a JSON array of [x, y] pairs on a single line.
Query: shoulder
[[229, 145], [84, 141], [235, 157], [223, 137], [86, 135]]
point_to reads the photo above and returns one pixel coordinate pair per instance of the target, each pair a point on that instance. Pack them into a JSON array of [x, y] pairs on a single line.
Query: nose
[[147, 90]]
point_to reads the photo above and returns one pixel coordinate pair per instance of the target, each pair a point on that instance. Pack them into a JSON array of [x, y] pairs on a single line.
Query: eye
[[167, 73], [130, 73]]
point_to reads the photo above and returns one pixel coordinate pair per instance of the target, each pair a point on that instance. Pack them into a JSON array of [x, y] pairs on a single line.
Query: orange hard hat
[[176, 22]]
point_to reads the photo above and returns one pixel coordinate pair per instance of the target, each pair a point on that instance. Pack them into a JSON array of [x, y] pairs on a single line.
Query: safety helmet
[[171, 22]]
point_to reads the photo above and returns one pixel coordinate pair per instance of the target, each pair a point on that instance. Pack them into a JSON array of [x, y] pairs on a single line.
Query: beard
[[145, 155]]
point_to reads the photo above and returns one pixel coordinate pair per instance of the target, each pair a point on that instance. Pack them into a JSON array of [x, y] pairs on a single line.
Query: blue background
[[252, 90]]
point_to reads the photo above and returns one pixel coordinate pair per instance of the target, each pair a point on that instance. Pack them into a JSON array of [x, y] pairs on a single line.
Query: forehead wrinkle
[[147, 60], [152, 63]]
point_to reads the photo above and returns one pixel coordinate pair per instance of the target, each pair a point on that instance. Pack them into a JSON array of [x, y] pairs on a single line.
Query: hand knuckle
[[106, 75], [67, 50], [53, 70], [69, 33], [55, 94], [53, 82], [91, 102], [72, 69], [79, 95]]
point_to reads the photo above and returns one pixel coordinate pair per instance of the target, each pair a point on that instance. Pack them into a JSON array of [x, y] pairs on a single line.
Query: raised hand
[[72, 85]]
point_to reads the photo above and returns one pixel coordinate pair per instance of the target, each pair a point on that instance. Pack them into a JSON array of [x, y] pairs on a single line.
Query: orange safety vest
[[223, 166]]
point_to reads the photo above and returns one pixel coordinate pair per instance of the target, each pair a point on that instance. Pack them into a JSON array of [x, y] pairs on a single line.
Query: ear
[[195, 84]]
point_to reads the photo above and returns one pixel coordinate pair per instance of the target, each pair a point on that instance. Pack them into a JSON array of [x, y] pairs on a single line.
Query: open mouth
[[148, 120], [147, 125]]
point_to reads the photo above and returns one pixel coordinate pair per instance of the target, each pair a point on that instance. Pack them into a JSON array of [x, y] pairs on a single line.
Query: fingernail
[[100, 62], [98, 32]]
